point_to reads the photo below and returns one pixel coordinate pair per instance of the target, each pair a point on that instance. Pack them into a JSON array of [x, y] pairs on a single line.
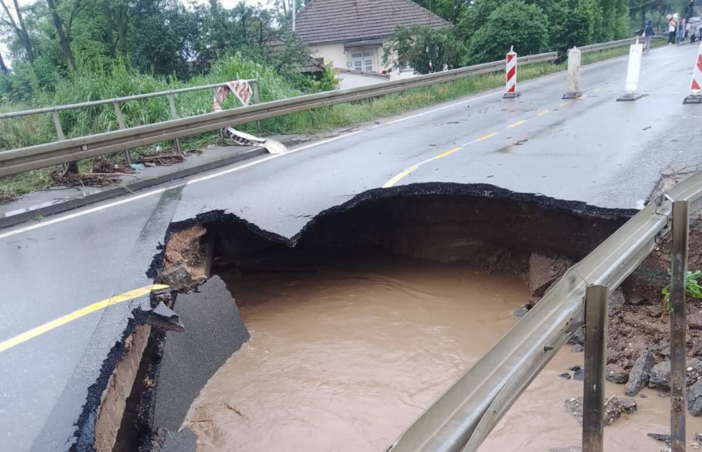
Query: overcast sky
[[225, 3]]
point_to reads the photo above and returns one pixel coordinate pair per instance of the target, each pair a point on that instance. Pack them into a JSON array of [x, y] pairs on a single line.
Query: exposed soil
[[641, 323], [186, 258], [7, 196]]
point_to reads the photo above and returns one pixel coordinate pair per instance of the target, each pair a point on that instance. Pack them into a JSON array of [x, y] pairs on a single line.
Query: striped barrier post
[[632, 74], [696, 83], [511, 75]]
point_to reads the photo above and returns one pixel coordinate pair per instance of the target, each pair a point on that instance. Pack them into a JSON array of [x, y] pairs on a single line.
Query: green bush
[[515, 24], [692, 289], [426, 50]]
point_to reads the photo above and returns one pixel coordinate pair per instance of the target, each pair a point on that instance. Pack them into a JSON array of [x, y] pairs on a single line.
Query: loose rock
[[176, 276], [614, 408], [543, 271], [565, 375], [638, 301], [660, 375], [616, 374], [694, 399], [616, 301], [577, 348], [578, 337], [640, 373], [660, 437]]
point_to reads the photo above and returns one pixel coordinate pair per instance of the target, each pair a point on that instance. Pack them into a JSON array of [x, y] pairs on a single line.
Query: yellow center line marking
[[449, 152], [563, 104], [485, 137], [541, 113], [45, 328], [518, 123], [397, 178], [581, 97]]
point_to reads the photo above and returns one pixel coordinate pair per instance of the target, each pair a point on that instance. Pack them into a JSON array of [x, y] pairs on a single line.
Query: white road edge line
[[302, 148]]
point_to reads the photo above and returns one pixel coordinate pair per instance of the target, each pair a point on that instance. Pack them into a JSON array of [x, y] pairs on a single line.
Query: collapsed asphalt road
[[594, 150]]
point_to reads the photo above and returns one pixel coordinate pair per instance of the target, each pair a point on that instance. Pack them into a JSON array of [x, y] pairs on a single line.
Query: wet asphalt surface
[[605, 153]]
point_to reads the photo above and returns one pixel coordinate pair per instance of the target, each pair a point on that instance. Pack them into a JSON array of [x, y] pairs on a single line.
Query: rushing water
[[345, 358]]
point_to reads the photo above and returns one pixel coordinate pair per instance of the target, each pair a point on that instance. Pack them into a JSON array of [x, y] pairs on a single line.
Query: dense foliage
[[486, 29], [514, 23], [426, 50], [54, 41]]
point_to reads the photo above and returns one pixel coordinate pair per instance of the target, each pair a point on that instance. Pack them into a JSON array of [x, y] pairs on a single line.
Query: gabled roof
[[327, 21]]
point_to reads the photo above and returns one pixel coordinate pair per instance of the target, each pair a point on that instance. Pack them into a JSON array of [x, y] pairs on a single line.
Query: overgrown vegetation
[[483, 29], [324, 119], [692, 288]]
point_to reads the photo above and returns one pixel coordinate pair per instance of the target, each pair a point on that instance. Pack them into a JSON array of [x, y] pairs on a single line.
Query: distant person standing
[[648, 34], [681, 30], [671, 30]]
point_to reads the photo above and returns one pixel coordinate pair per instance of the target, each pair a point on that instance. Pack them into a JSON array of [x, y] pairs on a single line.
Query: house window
[[362, 61], [405, 66]]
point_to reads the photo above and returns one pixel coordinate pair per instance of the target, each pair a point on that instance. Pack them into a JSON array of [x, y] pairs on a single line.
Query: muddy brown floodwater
[[345, 358]]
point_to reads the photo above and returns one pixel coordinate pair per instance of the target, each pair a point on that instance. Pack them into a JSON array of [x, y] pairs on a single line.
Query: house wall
[[354, 80], [340, 58]]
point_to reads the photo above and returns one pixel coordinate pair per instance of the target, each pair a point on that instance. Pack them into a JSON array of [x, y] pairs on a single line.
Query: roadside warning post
[[696, 83], [632, 74], [511, 75], [573, 77]]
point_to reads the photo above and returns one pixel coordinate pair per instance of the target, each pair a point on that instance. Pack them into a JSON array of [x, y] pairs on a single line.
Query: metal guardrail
[[607, 45], [170, 94], [69, 150], [66, 151], [466, 413]]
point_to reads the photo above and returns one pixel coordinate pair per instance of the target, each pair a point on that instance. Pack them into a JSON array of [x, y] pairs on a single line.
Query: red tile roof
[[328, 21]]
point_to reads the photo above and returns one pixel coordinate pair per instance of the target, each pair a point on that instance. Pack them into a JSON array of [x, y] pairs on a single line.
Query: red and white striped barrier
[[696, 83], [242, 90], [511, 75]]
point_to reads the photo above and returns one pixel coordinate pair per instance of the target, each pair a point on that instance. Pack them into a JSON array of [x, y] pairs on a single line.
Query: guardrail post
[[256, 100], [220, 132], [678, 324], [174, 115], [71, 167], [595, 361], [122, 125], [573, 76]]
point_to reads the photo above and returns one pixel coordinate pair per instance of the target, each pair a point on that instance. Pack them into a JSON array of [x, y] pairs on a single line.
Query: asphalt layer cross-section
[[595, 150]]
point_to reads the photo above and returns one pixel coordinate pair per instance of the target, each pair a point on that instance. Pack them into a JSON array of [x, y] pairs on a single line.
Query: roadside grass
[[36, 129]]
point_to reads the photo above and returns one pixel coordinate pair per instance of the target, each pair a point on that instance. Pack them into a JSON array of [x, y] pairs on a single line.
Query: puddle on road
[[345, 358]]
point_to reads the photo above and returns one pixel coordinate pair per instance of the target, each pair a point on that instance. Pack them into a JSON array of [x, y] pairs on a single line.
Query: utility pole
[[294, 7]]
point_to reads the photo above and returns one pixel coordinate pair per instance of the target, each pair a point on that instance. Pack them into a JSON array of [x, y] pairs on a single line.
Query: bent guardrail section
[[467, 412]]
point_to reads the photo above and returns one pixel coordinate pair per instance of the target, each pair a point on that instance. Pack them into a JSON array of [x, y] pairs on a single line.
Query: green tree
[[425, 49], [515, 23], [447, 9]]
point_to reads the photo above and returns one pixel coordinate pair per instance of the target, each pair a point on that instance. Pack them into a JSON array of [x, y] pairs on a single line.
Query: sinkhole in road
[[338, 338]]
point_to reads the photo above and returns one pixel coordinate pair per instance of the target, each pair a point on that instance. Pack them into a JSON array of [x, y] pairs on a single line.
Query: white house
[[350, 34]]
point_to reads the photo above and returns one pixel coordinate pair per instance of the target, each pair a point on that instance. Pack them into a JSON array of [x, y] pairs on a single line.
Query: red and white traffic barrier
[[242, 90], [696, 83], [511, 75]]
